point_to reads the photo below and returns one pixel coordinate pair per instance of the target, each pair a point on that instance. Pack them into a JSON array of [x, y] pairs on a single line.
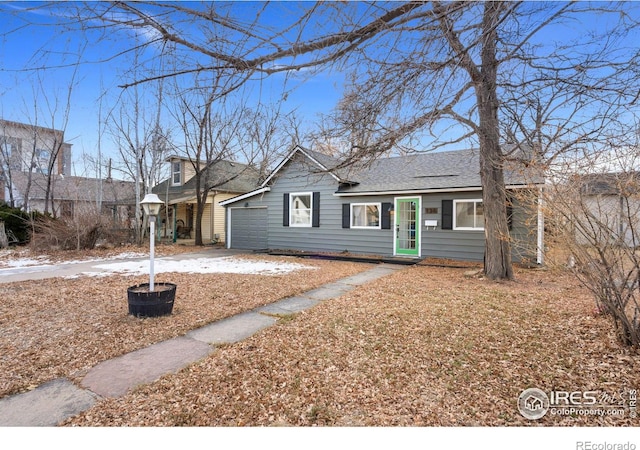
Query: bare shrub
[[597, 220], [80, 233]]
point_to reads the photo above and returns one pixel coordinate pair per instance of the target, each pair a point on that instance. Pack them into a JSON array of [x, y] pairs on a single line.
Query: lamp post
[[151, 205]]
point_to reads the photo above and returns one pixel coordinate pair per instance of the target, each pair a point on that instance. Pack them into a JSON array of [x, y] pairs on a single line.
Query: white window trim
[[379, 205], [455, 215], [173, 173], [292, 195]]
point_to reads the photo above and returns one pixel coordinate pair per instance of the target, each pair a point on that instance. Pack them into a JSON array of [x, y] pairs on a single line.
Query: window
[[41, 163], [365, 215], [468, 215], [300, 209], [176, 173]]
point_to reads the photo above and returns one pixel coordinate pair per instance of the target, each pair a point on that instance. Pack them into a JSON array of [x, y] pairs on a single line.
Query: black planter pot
[[143, 303]]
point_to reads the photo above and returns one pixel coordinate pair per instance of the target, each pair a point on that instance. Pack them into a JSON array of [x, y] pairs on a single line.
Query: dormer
[[182, 170]]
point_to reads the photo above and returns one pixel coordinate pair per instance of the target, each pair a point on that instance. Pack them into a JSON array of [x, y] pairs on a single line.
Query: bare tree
[[448, 71], [424, 74], [218, 129], [142, 139], [595, 201]]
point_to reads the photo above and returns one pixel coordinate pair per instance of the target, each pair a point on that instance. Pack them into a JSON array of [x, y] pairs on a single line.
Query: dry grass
[[425, 346]]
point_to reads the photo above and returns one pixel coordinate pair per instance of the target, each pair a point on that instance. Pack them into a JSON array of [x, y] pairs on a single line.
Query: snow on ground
[[11, 261], [25, 262], [229, 264]]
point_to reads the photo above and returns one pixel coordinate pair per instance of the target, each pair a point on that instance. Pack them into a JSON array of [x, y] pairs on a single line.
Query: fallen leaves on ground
[[62, 327], [425, 346]]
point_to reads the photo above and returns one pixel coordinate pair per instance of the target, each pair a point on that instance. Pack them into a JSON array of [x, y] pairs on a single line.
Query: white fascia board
[[244, 196]]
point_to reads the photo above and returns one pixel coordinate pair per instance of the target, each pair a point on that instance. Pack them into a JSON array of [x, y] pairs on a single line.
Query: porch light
[[151, 205]]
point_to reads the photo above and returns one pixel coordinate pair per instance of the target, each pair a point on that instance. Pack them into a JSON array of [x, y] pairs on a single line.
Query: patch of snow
[[43, 260], [107, 258], [24, 262], [229, 264]]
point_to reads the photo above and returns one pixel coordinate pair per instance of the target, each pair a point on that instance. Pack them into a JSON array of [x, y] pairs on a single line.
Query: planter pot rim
[[161, 283]]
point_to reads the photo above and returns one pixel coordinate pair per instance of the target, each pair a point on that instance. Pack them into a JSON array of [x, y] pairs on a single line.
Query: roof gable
[[324, 163]]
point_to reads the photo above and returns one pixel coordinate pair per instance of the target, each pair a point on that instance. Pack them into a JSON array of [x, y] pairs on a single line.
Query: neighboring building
[[613, 204], [28, 148], [179, 193], [25, 158], [421, 205], [74, 196]]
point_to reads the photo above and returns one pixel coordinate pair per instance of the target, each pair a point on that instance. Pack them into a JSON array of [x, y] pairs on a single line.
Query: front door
[[407, 226]]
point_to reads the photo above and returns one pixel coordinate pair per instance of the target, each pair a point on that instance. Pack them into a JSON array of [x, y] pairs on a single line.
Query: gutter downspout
[[540, 237], [212, 228]]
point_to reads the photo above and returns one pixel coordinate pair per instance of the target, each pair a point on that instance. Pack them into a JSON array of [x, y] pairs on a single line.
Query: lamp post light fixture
[[151, 205]]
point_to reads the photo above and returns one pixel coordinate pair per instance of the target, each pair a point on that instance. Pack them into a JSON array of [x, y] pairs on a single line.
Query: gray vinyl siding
[[524, 231], [463, 245], [329, 236], [296, 177]]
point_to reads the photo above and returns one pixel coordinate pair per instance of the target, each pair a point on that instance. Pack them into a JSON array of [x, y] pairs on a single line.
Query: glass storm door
[[407, 226]]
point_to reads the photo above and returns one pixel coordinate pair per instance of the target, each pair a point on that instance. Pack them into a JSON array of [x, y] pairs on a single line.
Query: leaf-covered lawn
[[63, 327], [425, 346]]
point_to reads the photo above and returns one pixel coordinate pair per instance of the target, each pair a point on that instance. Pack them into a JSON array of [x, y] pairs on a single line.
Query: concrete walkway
[[60, 399]]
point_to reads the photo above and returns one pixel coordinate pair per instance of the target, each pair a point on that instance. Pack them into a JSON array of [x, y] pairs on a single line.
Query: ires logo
[[534, 403], [576, 398]]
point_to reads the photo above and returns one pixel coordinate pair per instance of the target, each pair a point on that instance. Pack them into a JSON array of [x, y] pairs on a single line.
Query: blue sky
[[37, 66], [96, 84]]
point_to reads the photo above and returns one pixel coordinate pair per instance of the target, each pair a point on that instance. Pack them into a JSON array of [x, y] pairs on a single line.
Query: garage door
[[249, 228]]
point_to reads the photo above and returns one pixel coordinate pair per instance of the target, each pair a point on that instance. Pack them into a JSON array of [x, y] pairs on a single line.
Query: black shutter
[[385, 216], [315, 213], [346, 215], [447, 214], [285, 211]]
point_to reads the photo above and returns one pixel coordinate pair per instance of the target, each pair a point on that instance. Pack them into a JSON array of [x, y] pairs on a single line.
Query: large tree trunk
[[497, 264]]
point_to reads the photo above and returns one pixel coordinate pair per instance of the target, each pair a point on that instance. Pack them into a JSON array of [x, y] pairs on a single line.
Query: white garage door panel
[[249, 228]]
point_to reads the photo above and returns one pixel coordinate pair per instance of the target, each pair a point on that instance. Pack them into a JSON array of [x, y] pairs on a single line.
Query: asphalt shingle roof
[[75, 188], [611, 183], [423, 171], [226, 176]]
